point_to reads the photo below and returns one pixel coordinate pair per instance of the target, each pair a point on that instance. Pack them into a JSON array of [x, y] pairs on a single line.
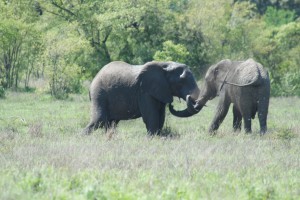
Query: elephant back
[[250, 72]]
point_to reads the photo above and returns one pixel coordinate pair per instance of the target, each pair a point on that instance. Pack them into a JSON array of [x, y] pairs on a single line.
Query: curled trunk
[[192, 108]]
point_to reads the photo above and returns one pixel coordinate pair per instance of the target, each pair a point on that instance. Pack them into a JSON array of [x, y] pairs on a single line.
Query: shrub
[[278, 17], [287, 86], [172, 52], [64, 55]]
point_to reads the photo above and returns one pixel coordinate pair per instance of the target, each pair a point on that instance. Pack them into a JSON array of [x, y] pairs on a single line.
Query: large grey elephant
[[121, 91], [246, 84]]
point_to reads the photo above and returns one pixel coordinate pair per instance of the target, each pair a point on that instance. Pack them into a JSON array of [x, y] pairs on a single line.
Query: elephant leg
[[262, 116], [93, 125], [237, 119], [98, 119], [111, 124], [262, 109], [162, 115], [152, 123], [221, 113], [247, 113], [247, 106], [150, 111], [247, 123]]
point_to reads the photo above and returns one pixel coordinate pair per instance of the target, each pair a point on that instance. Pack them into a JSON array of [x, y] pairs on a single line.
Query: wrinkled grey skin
[[246, 84], [121, 91]]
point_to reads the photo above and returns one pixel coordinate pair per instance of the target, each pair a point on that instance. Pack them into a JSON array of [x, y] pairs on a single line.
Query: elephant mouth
[[193, 106]]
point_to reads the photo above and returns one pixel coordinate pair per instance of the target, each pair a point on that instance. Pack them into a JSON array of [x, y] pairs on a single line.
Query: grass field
[[43, 156]]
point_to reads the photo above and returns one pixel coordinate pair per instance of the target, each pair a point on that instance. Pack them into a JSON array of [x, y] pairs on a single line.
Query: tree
[[127, 30], [172, 52], [210, 18], [65, 52], [17, 32], [278, 17], [13, 33]]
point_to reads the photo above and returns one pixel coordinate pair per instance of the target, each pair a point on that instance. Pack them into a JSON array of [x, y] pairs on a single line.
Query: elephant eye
[[216, 72]]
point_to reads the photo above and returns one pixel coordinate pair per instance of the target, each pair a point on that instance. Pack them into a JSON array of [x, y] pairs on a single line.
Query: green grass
[[43, 155]]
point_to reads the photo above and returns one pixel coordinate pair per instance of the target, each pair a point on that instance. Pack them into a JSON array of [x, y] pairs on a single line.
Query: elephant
[[245, 84], [121, 91]]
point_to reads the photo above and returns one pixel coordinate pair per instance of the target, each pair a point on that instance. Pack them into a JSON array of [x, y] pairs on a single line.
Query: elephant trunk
[[189, 111]]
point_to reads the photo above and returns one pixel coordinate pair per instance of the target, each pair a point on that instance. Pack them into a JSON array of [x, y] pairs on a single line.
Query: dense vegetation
[[42, 155], [67, 42]]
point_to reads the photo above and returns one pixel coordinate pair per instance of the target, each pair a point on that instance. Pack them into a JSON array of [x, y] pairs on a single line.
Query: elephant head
[[163, 80]]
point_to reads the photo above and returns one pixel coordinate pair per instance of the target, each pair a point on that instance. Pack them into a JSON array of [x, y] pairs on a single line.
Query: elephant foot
[[87, 130], [263, 131]]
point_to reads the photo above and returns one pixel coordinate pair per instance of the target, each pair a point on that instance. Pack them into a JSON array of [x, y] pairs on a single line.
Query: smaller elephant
[[246, 84], [121, 91]]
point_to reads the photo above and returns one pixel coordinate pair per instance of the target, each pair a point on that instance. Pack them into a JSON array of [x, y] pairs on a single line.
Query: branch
[[106, 37], [54, 13], [64, 9]]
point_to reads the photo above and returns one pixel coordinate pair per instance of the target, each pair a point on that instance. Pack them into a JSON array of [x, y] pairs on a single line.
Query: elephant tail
[[90, 95]]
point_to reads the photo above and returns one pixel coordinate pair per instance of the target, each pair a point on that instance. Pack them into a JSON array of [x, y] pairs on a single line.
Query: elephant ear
[[153, 81], [249, 72]]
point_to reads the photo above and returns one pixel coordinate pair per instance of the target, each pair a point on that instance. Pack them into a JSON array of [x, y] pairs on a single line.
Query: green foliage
[[65, 52], [20, 42], [198, 33], [278, 17], [172, 52], [288, 86], [281, 48]]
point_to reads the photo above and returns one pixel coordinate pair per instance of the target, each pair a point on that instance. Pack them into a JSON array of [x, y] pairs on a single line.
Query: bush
[[278, 17], [172, 52], [287, 86], [64, 79], [65, 55]]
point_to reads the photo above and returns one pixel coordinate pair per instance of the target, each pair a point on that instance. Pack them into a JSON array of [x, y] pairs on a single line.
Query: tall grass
[[43, 155]]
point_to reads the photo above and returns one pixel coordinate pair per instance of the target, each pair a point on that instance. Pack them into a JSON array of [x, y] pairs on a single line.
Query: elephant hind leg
[[263, 107], [110, 125], [98, 120], [262, 115], [237, 119], [91, 127]]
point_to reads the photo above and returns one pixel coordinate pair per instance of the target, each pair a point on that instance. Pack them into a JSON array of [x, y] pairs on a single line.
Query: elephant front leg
[[162, 116], [150, 111], [152, 123], [221, 113]]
